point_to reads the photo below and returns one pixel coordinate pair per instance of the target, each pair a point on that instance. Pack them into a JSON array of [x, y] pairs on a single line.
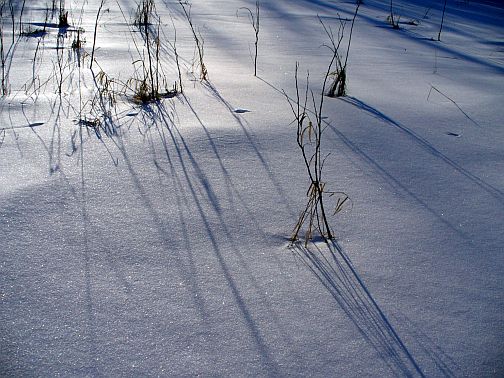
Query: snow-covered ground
[[163, 250]]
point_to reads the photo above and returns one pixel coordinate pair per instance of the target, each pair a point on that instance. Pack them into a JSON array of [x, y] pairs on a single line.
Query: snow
[[163, 250]]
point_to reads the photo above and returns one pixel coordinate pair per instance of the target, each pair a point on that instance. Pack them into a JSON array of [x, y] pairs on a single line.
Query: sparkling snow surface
[[163, 250]]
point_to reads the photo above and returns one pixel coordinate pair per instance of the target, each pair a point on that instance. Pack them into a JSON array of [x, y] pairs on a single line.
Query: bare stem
[[95, 32]]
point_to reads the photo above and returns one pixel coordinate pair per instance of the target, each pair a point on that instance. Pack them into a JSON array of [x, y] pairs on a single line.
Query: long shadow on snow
[[477, 12], [402, 33], [162, 121], [232, 191], [493, 191], [231, 187], [93, 368], [336, 272], [90, 311], [229, 238], [188, 273], [239, 120]]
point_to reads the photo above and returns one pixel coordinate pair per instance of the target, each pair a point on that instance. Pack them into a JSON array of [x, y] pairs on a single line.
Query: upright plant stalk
[[319, 163], [174, 47], [21, 18], [2, 52], [151, 74], [157, 43], [59, 55], [350, 36], [256, 28], [95, 31], [198, 40], [13, 21], [394, 23], [391, 13], [254, 20], [442, 20]]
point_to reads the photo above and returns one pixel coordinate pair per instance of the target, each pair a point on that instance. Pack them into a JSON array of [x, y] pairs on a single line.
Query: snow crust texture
[[153, 240]]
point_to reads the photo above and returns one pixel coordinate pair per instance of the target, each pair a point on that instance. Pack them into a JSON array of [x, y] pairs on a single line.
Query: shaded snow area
[[152, 238]]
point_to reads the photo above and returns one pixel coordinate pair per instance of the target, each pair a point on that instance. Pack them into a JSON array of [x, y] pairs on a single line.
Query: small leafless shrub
[[309, 134], [148, 83], [338, 87], [392, 19], [78, 42], [63, 19]]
